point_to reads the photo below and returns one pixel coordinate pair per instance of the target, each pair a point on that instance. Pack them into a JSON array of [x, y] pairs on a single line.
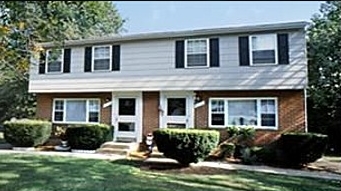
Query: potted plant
[[61, 133]]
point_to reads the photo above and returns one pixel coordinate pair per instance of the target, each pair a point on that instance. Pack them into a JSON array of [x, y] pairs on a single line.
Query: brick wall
[[290, 109], [150, 112], [45, 104], [291, 112]]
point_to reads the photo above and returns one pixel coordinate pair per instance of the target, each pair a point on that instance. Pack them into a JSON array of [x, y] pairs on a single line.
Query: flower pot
[[64, 143]]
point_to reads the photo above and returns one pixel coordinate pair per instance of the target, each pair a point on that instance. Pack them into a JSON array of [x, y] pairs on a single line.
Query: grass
[[39, 173]]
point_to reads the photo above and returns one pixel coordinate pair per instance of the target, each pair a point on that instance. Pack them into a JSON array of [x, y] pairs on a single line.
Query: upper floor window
[[101, 58], [54, 60], [196, 53], [263, 49]]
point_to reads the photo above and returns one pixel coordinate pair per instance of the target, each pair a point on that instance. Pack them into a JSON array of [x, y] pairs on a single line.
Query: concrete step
[[160, 163], [117, 151], [155, 149], [120, 145], [156, 154]]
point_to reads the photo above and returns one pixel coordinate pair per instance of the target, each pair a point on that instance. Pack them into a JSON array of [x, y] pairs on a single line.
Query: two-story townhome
[[208, 78]]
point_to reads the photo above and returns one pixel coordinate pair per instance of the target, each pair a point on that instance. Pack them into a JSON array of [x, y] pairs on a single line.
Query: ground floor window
[[76, 110], [256, 112]]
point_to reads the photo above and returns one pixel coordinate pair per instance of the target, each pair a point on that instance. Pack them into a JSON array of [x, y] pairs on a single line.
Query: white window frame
[[93, 58], [47, 62], [251, 50], [207, 53], [226, 109], [87, 110]]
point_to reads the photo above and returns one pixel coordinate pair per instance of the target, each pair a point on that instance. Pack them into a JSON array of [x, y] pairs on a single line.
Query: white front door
[[127, 116], [177, 109]]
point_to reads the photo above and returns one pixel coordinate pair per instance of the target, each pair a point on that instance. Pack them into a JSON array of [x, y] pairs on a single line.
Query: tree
[[324, 53], [24, 23]]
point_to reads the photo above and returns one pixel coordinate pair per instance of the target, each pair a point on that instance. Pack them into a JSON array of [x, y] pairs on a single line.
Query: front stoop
[[118, 148], [156, 154]]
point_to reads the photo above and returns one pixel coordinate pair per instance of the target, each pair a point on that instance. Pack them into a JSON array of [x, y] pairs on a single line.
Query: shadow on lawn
[[42, 173]]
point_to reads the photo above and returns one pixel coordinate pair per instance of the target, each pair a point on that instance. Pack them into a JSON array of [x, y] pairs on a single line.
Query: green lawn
[[47, 173]]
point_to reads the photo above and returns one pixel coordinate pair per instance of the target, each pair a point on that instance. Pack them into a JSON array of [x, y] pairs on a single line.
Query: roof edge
[[182, 33]]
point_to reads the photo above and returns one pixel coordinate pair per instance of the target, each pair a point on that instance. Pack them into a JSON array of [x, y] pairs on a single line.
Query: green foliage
[[232, 131], [24, 23], [27, 133], [227, 149], [294, 149], [302, 148], [87, 136], [324, 92], [242, 137], [249, 155], [186, 145]]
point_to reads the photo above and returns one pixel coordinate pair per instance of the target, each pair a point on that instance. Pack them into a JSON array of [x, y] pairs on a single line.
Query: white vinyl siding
[[75, 110], [101, 58], [196, 53], [150, 66], [54, 61], [263, 49], [260, 113]]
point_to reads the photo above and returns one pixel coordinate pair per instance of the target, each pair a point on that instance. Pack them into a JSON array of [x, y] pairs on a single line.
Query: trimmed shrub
[[27, 132], [87, 136], [302, 148], [294, 149], [268, 154], [186, 145]]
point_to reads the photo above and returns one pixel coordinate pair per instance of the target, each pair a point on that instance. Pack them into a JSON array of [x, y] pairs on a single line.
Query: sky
[[149, 16]]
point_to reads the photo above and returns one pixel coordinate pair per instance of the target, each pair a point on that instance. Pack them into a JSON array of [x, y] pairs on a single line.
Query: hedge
[[302, 148], [87, 136], [294, 149], [186, 145], [27, 132]]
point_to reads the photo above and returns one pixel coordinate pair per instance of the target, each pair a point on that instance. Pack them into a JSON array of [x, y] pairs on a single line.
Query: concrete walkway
[[67, 154], [272, 170], [222, 165]]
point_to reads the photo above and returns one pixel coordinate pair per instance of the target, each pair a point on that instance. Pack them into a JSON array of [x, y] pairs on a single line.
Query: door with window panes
[[177, 110], [126, 117]]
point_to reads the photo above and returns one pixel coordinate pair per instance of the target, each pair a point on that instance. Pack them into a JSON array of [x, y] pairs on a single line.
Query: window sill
[[54, 73], [196, 67], [256, 128], [260, 65], [73, 122], [267, 128], [100, 71]]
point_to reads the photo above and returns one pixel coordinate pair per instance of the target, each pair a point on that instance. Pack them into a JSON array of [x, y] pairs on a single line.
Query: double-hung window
[[196, 53], [255, 112], [263, 49], [76, 110], [54, 60], [101, 58]]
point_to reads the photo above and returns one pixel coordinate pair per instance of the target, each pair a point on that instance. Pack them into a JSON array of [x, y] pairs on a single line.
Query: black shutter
[[179, 54], [67, 60], [244, 55], [42, 60], [214, 52], [116, 54], [87, 59], [283, 48]]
